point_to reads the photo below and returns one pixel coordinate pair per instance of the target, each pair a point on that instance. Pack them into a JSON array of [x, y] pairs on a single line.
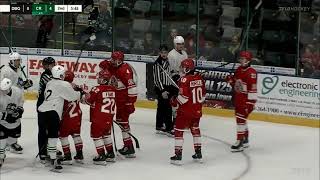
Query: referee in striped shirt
[[164, 90], [46, 76]]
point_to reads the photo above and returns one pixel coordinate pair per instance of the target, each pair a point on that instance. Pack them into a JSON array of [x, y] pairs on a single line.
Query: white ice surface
[[277, 152]]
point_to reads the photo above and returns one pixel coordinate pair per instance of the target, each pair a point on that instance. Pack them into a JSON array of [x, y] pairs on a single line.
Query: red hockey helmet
[[187, 65], [104, 76], [245, 58], [69, 76], [246, 55], [117, 58], [105, 64]]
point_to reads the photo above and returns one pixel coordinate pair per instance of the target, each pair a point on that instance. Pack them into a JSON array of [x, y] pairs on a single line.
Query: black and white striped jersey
[[160, 77]]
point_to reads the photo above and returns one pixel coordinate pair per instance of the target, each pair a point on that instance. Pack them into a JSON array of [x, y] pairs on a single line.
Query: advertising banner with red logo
[[85, 73]]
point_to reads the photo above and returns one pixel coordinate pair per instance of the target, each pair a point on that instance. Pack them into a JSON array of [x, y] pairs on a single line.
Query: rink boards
[[281, 99]]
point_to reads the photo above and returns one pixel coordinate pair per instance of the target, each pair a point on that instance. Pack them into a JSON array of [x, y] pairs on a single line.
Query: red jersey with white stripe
[[126, 87], [102, 103], [192, 94], [245, 86]]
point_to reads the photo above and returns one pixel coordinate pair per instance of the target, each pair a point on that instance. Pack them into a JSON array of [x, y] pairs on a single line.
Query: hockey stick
[[91, 38], [24, 74], [114, 139], [172, 81], [256, 8], [5, 38], [10, 50], [246, 30], [134, 138]]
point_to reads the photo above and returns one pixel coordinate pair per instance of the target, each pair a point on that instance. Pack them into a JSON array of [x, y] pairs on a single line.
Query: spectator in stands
[[103, 25], [45, 25], [169, 41], [191, 40], [206, 51], [310, 61], [149, 45], [311, 56], [235, 44]]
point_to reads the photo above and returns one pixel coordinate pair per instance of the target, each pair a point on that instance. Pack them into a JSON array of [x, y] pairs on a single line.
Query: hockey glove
[[27, 83], [229, 79], [14, 111], [11, 107], [130, 108], [250, 107], [10, 119], [18, 112], [77, 88], [165, 94], [174, 102], [176, 78]]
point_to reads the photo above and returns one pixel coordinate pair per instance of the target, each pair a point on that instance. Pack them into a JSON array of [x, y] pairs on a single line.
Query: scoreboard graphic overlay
[[39, 8]]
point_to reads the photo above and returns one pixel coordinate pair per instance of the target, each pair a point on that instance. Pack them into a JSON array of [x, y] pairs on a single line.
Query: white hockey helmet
[[58, 72], [12, 57], [178, 40], [5, 84]]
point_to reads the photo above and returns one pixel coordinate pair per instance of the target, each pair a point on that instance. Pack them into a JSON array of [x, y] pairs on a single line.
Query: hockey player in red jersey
[[126, 96], [244, 82], [71, 125], [189, 102], [103, 106]]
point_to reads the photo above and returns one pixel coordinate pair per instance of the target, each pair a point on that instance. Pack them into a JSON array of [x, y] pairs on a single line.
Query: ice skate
[[56, 166], [110, 157], [16, 148], [66, 159], [170, 133], [100, 160], [160, 131], [197, 157], [245, 143], [237, 147], [79, 157], [127, 152], [176, 159]]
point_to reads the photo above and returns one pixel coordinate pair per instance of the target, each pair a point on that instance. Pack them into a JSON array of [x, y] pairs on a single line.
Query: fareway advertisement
[[85, 74], [289, 96]]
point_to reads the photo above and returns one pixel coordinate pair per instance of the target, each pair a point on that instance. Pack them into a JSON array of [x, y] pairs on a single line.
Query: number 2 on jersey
[[72, 113], [197, 95], [108, 104], [48, 94]]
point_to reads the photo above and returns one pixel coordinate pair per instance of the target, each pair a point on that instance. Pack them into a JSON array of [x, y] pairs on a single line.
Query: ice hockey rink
[[277, 152]]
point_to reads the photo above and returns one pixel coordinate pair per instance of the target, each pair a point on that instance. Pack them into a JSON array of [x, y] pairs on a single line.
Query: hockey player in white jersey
[[11, 110], [51, 109], [13, 72], [176, 55]]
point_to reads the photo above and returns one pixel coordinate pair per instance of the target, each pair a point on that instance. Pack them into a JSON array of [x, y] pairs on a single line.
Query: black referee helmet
[[48, 61]]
